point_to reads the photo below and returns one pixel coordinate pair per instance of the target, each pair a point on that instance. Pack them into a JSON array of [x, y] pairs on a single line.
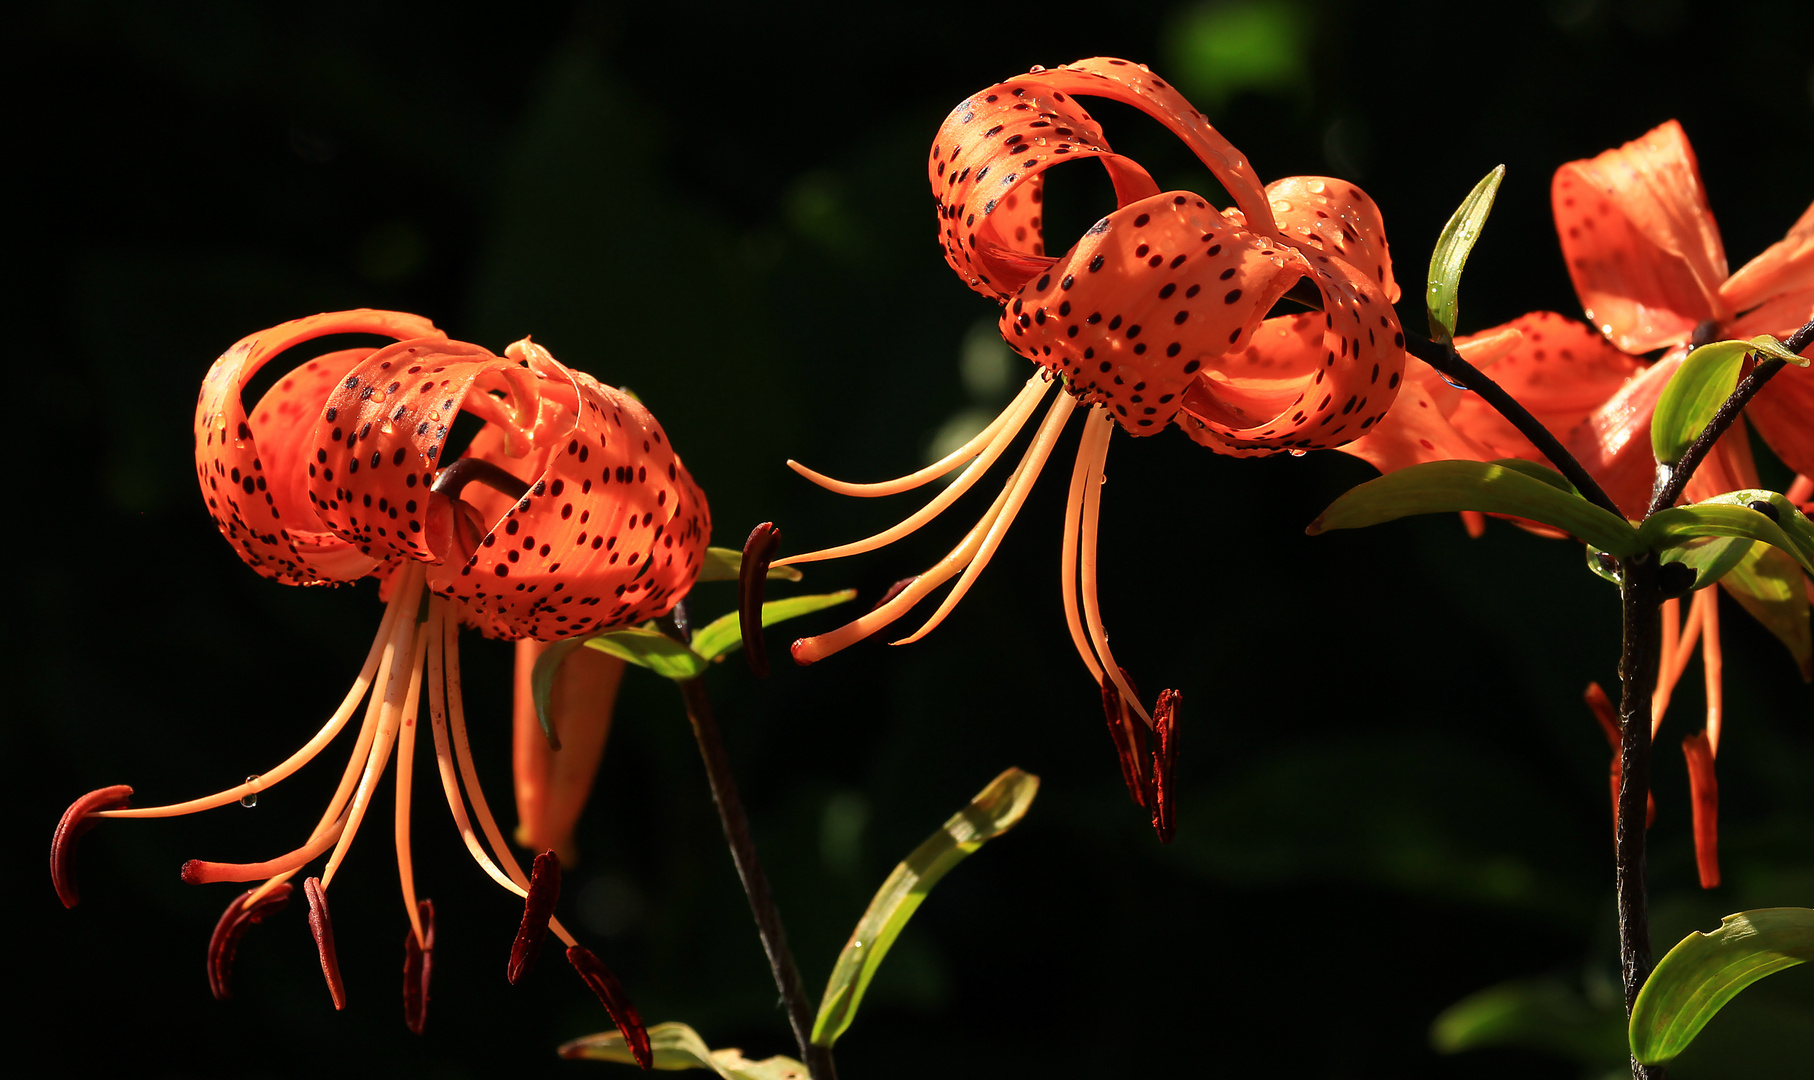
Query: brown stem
[[1641, 601], [818, 1059]]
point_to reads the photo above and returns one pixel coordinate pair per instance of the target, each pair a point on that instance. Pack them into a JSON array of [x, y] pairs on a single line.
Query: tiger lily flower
[[1156, 316], [1647, 262], [569, 513]]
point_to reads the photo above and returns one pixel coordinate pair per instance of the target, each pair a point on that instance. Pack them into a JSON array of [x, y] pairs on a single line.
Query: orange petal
[[1561, 371], [1782, 410], [1415, 431], [552, 786], [1614, 442], [1640, 242], [1704, 788], [1785, 269], [1320, 214]]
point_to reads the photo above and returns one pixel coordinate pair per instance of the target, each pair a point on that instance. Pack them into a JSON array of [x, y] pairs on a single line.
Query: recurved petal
[[1415, 431], [1613, 443], [1640, 241], [252, 489], [1320, 214], [1783, 412], [1561, 371], [1785, 268], [1153, 294], [552, 787]]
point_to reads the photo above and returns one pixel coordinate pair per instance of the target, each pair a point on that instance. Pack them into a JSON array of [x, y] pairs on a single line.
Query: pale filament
[[1099, 637], [403, 649], [469, 777], [1671, 672], [406, 747], [1014, 416], [271, 777], [1019, 485], [1023, 403], [813, 649], [319, 841], [1713, 668], [1089, 449]]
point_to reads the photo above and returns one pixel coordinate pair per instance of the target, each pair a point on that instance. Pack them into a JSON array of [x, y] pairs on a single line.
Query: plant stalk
[[1641, 601], [818, 1059]]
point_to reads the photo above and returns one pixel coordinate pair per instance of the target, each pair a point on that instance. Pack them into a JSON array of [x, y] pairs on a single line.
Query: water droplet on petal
[[378, 397], [1316, 186], [1282, 206], [250, 799], [1295, 452]]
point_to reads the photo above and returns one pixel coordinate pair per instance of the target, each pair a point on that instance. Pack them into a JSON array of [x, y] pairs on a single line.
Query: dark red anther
[[231, 927], [1704, 789], [323, 928], [752, 577], [1129, 734], [538, 908], [418, 960], [1609, 726], [75, 822], [616, 1002], [1165, 765]]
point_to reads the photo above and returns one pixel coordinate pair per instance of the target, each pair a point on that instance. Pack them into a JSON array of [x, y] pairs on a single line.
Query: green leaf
[[1794, 524], [1704, 971], [1694, 393], [1768, 584], [1451, 254], [677, 1046], [1545, 1013], [1677, 525], [722, 564], [541, 683], [723, 634], [652, 649], [1498, 487], [1769, 346], [1710, 557], [995, 810]]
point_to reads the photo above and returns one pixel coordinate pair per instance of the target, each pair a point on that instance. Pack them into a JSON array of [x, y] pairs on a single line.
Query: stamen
[[271, 777], [1713, 666], [1704, 790], [322, 926], [752, 576], [1029, 394], [200, 872], [1130, 744], [611, 993], [1165, 765], [246, 909], [77, 820], [1016, 414], [544, 890], [1020, 484], [1096, 428], [418, 961], [1099, 637], [406, 755]]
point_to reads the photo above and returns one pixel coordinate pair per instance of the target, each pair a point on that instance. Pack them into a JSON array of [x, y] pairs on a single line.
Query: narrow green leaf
[[1704, 971], [1710, 557], [1545, 1013], [1694, 393], [652, 649], [1794, 524], [1451, 254], [722, 634], [1677, 525], [722, 564], [541, 683], [1775, 349], [1490, 487], [1768, 584], [995, 810], [677, 1046]]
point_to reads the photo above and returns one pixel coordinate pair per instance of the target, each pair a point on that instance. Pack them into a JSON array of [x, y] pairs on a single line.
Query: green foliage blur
[[1392, 795]]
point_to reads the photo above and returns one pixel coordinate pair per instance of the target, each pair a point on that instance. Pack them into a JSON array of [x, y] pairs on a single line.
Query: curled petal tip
[[538, 908], [224, 945], [752, 575], [322, 926], [611, 993], [75, 822], [418, 961]]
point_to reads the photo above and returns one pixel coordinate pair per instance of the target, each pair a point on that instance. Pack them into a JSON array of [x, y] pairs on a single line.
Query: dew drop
[[378, 397], [1295, 452], [252, 798], [1317, 186], [1282, 206]]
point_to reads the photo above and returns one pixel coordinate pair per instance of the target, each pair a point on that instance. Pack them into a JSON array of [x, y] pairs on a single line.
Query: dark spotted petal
[[611, 993], [538, 908], [321, 925], [75, 822], [224, 945], [418, 963], [249, 468], [1323, 215]]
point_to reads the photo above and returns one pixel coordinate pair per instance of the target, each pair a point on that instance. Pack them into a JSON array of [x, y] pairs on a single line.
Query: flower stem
[[1640, 651], [736, 824], [1449, 363], [1671, 482]]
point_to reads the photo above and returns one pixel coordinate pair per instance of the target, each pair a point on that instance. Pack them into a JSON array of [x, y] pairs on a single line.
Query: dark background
[[1392, 796]]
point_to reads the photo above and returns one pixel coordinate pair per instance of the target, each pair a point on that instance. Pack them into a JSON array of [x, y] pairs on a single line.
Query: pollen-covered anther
[[418, 962], [1129, 735], [538, 908], [1165, 765], [752, 576], [321, 925], [76, 821], [246, 909], [611, 993]]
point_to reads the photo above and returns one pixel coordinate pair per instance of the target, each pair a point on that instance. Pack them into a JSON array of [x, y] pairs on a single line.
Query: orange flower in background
[[569, 513], [1648, 265], [1156, 316]]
